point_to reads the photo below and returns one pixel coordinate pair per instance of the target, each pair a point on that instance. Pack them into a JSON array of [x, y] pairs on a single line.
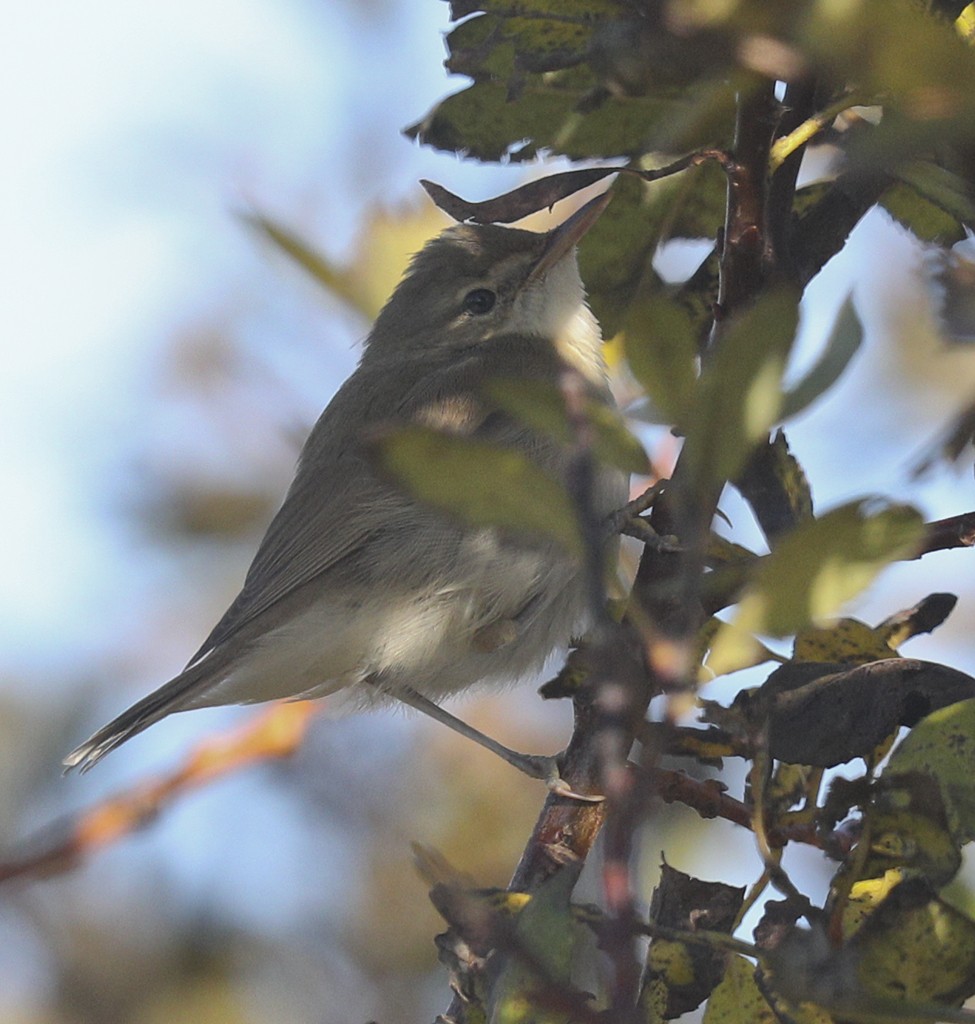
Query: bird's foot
[[547, 769]]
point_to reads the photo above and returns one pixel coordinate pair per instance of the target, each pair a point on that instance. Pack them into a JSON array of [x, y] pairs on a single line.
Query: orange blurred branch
[[276, 732]]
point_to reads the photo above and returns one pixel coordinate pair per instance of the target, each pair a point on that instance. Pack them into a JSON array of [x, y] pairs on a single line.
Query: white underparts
[[554, 306]]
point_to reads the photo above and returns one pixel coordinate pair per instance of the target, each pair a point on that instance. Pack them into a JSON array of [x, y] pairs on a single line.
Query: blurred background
[[162, 362]]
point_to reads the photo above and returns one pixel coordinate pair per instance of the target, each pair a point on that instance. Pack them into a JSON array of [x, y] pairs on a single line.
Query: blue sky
[[132, 132]]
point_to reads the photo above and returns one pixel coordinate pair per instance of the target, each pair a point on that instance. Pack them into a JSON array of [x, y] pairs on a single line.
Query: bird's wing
[[335, 504]]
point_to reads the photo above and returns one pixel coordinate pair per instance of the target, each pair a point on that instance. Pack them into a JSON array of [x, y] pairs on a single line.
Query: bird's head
[[474, 283]]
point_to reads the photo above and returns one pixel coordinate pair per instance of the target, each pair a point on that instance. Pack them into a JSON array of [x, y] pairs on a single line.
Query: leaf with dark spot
[[820, 715], [688, 973], [774, 484]]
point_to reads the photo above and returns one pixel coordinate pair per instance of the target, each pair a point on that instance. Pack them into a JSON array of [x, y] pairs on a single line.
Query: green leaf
[[943, 188], [568, 10], [500, 45], [813, 572], [478, 49], [757, 653], [738, 1000], [824, 563], [810, 196], [775, 486], [485, 122], [661, 350], [843, 344], [705, 118], [687, 973], [942, 746], [547, 44], [914, 949], [516, 118], [845, 641], [542, 406], [615, 256], [920, 216], [912, 959], [701, 210], [909, 830], [739, 394], [336, 280], [919, 63], [698, 296], [547, 932], [480, 484], [866, 895]]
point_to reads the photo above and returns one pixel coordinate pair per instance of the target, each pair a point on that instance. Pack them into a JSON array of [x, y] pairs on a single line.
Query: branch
[[945, 534], [708, 798], [807, 129], [744, 248], [275, 733]]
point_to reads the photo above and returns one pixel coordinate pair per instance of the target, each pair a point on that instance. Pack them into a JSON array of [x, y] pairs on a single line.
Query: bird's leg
[[617, 521], [629, 521], [535, 766]]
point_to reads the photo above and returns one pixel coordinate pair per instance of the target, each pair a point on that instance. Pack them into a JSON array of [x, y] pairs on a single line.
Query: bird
[[358, 590]]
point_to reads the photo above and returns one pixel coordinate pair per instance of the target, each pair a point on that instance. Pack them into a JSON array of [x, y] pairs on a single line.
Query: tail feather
[[170, 697]]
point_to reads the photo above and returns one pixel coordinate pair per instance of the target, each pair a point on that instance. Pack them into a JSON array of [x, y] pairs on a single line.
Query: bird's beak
[[561, 240]]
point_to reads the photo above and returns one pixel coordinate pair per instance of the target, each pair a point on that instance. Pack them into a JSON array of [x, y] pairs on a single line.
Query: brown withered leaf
[[924, 617], [773, 482], [544, 193], [688, 973], [541, 194], [825, 714]]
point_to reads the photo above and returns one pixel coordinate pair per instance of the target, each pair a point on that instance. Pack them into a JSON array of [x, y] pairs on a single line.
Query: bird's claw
[[547, 770]]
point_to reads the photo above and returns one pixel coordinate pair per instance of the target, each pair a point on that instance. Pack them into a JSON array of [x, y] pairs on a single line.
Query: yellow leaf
[[848, 641], [915, 948], [738, 1000], [385, 245]]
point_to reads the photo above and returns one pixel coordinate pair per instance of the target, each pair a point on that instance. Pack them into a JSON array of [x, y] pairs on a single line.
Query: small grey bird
[[356, 587]]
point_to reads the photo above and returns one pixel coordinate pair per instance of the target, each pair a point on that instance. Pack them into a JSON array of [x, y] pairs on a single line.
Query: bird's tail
[[172, 696]]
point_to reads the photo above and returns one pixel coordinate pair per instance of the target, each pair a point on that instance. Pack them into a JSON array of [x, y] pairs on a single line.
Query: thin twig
[[710, 939], [785, 146], [708, 798], [945, 534]]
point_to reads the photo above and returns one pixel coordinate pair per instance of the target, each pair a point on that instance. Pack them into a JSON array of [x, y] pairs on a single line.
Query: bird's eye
[[479, 301]]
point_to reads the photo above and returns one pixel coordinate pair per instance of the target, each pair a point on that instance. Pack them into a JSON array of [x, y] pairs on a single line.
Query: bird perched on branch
[[357, 587]]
